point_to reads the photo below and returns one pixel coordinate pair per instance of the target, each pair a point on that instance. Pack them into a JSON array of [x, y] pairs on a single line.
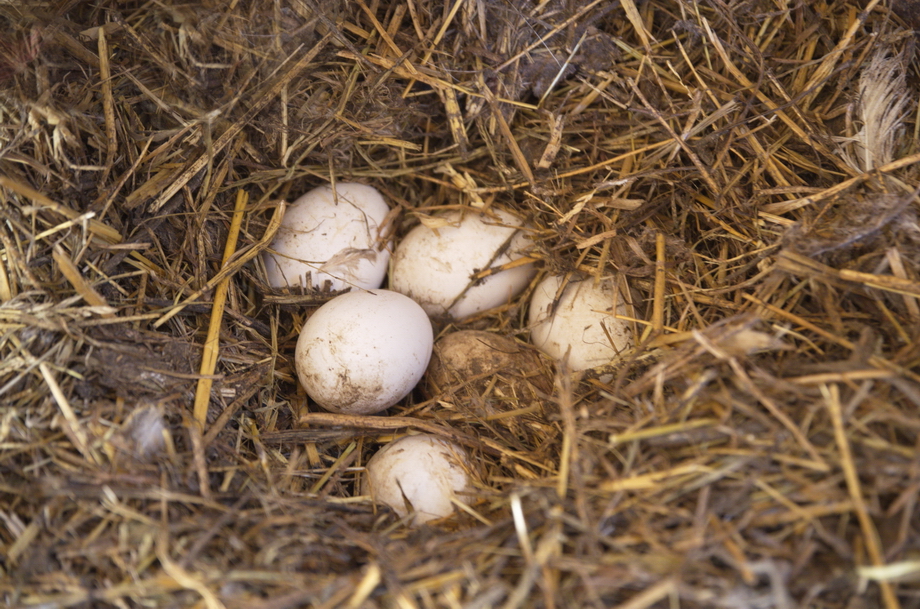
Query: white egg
[[420, 474], [435, 266], [578, 322], [334, 238], [363, 351]]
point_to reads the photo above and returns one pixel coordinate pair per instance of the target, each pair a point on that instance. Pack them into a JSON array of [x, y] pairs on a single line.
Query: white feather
[[881, 108]]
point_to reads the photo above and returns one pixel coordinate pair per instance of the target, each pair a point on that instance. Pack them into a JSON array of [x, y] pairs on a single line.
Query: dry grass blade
[[211, 344], [832, 396]]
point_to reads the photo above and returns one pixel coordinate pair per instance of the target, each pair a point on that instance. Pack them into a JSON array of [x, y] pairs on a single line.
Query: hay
[[750, 169]]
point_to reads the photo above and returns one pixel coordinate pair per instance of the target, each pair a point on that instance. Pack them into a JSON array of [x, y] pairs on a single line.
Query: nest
[[749, 169]]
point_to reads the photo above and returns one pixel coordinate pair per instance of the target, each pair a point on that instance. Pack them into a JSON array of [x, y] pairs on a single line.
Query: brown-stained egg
[[486, 372]]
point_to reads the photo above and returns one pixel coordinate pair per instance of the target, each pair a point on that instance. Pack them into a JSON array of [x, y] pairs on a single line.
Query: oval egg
[[467, 361], [420, 473], [436, 267], [330, 241], [582, 323], [363, 351]]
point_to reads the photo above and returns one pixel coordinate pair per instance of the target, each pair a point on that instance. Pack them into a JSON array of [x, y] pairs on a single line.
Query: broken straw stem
[[211, 343]]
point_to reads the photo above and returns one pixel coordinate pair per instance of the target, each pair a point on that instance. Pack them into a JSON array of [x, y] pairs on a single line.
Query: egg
[[363, 351], [470, 362], [326, 237], [578, 321], [419, 474], [435, 266]]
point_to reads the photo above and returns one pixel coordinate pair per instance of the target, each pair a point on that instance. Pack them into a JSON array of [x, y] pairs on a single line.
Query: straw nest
[[748, 168]]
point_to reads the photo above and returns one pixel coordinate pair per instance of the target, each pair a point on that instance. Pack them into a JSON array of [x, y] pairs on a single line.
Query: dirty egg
[[582, 323], [363, 351], [470, 361], [436, 266], [332, 237], [419, 474]]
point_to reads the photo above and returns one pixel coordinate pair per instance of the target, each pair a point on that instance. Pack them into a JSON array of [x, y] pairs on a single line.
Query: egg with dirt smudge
[[363, 351], [330, 240], [422, 474], [584, 321], [462, 263]]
